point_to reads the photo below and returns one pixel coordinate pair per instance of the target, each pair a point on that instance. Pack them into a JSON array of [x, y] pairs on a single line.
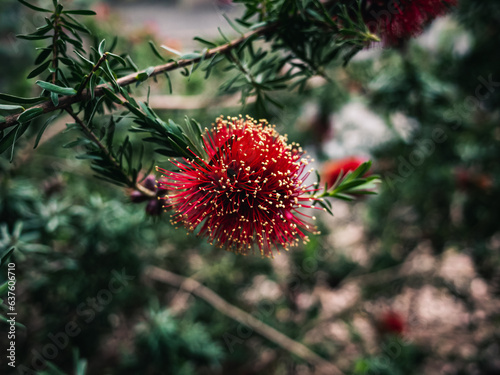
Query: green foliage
[[258, 72], [67, 235], [165, 343]]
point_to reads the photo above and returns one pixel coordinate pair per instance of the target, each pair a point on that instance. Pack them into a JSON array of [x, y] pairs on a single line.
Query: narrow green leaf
[[55, 98], [17, 99], [19, 132], [89, 157], [33, 37], [71, 127], [92, 85], [181, 151], [206, 42], [100, 49], [106, 69], [78, 142], [6, 256], [43, 55], [360, 171], [132, 64], [196, 127], [38, 9], [80, 12], [119, 58], [6, 141], [57, 89], [74, 42], [190, 56], [77, 26], [29, 114], [232, 24], [75, 21], [171, 50], [66, 61], [322, 204], [169, 82], [9, 108], [89, 63], [155, 51], [223, 36], [42, 129], [134, 110], [81, 367], [35, 72], [43, 29], [257, 25], [112, 96], [95, 109]]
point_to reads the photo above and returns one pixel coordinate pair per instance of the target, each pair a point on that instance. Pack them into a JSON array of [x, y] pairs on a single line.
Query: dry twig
[[201, 291]]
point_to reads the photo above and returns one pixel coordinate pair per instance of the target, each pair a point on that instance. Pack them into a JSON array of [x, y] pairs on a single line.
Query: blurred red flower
[[398, 20], [392, 322], [469, 179], [333, 168], [248, 192]]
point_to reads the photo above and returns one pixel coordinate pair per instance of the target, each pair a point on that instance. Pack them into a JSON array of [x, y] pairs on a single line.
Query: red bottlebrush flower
[[333, 168], [392, 322], [397, 20], [248, 192]]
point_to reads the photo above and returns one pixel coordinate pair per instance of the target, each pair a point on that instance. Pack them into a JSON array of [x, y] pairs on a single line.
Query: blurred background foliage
[[405, 282]]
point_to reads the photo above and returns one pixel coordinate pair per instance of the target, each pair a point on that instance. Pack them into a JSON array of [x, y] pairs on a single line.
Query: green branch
[[107, 154], [68, 100]]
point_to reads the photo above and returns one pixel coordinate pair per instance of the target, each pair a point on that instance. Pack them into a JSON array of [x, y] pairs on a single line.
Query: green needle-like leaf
[[57, 89]]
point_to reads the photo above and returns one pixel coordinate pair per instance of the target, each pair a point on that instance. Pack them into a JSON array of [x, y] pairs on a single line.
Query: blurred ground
[[180, 21]]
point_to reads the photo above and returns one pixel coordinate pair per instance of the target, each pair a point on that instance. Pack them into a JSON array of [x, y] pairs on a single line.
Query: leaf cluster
[[281, 45]]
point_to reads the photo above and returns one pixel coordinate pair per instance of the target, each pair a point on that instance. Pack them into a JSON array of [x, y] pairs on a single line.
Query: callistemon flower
[[249, 192], [397, 20]]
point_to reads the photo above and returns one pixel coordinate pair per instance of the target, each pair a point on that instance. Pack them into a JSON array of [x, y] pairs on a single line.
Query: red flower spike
[[248, 192], [397, 20], [332, 169]]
